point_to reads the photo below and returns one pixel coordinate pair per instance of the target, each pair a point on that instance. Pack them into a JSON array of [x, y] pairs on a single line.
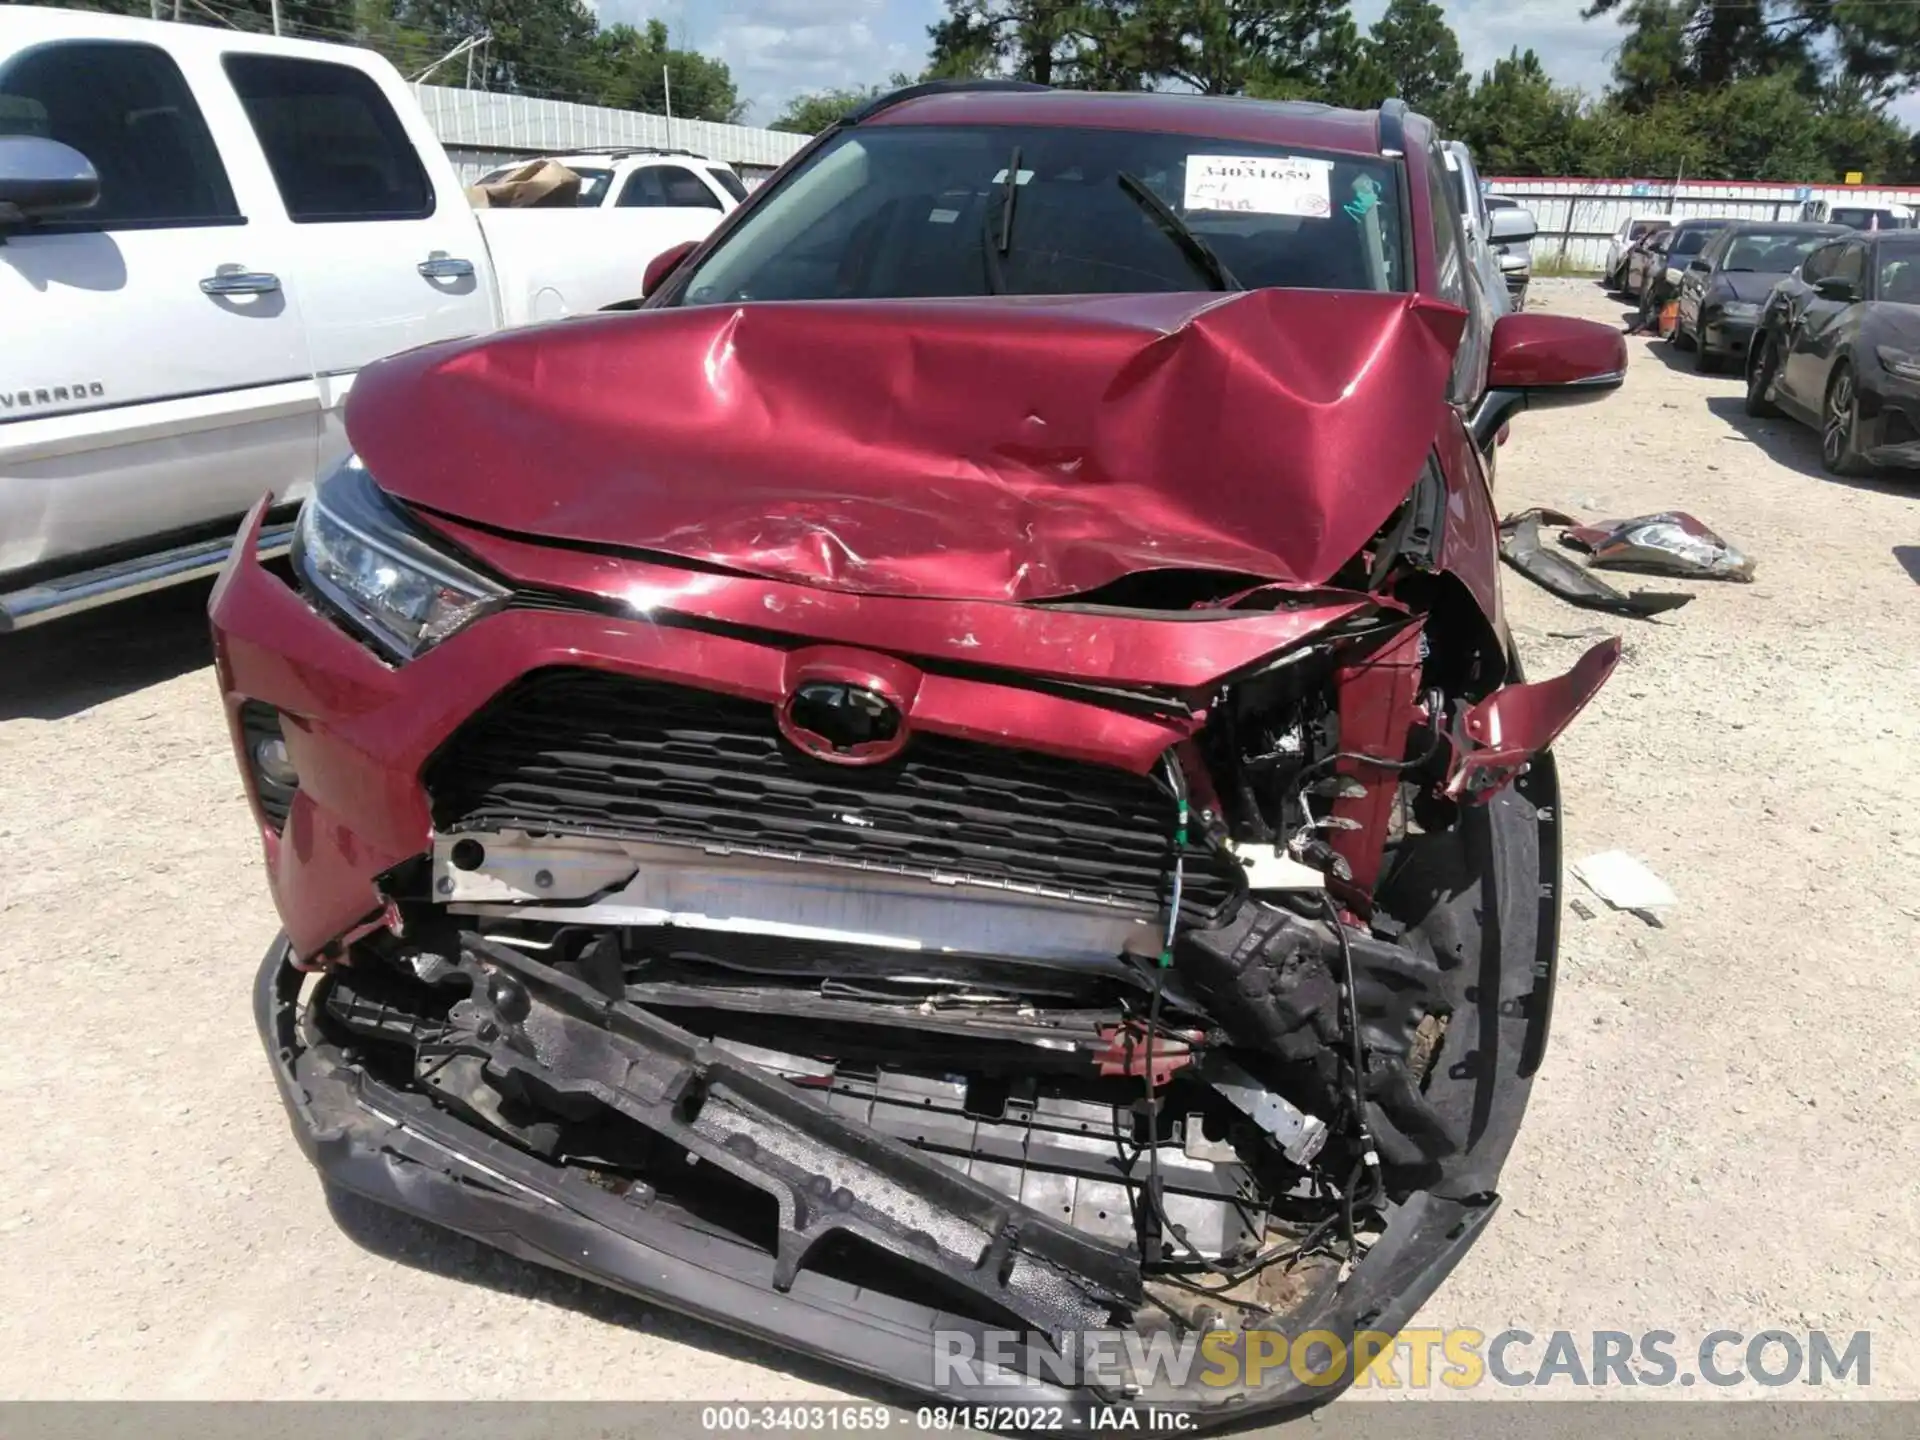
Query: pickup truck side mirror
[[1512, 226], [40, 177], [1539, 360], [1833, 287], [663, 265]]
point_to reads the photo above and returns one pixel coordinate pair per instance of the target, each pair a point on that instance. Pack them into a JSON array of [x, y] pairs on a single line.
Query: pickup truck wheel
[[1840, 430], [1763, 378]]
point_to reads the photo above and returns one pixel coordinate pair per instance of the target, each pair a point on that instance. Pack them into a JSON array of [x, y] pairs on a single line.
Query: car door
[[166, 384], [386, 250], [1786, 306], [1813, 332], [1693, 280]]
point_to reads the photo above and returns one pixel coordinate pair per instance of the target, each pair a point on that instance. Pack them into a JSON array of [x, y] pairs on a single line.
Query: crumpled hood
[[1008, 449]]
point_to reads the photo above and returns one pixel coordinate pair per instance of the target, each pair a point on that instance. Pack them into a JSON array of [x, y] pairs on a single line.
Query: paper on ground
[[1623, 882]]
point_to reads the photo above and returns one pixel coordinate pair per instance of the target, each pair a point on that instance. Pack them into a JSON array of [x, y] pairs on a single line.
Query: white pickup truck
[[204, 235]]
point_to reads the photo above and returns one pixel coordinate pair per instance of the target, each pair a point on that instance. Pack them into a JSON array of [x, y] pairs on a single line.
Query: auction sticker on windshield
[[1260, 184]]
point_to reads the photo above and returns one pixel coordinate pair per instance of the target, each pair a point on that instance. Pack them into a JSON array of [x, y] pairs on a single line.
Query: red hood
[[1007, 449]]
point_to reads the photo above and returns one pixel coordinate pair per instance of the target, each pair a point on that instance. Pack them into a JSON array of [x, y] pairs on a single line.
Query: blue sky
[[779, 48]]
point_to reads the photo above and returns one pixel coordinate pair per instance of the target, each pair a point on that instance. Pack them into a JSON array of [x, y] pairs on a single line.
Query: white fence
[[482, 130], [1577, 216]]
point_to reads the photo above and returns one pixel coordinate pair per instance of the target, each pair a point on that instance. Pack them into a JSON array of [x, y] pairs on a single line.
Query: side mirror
[[1833, 287], [40, 177], [664, 264], [1699, 265], [1510, 227], [1540, 360]]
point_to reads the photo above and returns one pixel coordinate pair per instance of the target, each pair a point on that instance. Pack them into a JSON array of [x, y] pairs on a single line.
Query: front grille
[[583, 752]]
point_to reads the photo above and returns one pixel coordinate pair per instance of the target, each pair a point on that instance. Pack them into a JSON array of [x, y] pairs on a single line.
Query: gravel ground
[[1721, 1137]]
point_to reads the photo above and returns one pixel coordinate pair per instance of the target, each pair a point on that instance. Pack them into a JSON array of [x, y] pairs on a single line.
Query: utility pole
[[666, 89], [276, 17]]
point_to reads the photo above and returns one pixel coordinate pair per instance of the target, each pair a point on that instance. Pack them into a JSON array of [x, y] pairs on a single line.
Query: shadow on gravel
[[66, 666], [1796, 446], [1909, 558], [395, 1236]]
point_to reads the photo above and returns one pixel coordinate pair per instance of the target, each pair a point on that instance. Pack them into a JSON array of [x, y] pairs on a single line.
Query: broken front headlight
[[356, 550]]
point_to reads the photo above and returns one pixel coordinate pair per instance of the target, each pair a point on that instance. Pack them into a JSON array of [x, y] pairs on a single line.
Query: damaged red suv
[[959, 771]]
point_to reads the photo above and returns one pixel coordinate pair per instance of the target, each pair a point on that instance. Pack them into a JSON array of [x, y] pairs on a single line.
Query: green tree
[[1518, 122], [1680, 44], [311, 19], [1278, 49], [537, 47], [815, 110], [1051, 42], [1413, 48], [638, 69]]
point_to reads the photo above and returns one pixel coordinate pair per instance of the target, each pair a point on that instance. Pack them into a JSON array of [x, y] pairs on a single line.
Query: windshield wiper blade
[[997, 246], [1180, 233]]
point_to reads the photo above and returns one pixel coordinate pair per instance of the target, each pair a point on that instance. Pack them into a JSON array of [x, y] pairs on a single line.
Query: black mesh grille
[[582, 751]]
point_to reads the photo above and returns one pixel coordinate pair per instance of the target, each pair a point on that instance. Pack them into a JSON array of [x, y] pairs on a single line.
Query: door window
[[655, 185], [729, 181], [127, 108], [337, 149], [1852, 267], [1817, 266]]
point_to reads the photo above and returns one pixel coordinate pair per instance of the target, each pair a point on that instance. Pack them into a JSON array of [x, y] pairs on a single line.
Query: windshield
[[1869, 219], [925, 211], [1774, 254], [1690, 242]]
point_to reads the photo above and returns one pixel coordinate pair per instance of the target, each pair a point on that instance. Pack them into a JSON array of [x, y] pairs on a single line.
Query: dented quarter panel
[[1001, 449]]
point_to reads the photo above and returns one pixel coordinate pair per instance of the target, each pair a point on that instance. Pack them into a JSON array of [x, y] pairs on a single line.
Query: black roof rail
[[1393, 127], [934, 87], [621, 152]]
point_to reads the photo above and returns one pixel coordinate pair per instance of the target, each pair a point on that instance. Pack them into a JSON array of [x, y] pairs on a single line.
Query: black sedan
[[1839, 348], [1655, 265], [1725, 287]]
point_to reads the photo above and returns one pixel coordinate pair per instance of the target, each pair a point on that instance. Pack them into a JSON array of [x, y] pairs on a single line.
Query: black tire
[[1763, 373], [1840, 425]]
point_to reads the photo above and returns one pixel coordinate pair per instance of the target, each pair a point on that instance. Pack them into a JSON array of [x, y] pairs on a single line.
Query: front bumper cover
[[399, 1150]]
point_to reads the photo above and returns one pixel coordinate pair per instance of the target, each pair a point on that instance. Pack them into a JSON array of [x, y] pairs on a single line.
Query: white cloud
[[777, 49]]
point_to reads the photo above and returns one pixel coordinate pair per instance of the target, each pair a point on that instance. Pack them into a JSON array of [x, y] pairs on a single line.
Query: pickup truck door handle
[[237, 280], [442, 266]]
